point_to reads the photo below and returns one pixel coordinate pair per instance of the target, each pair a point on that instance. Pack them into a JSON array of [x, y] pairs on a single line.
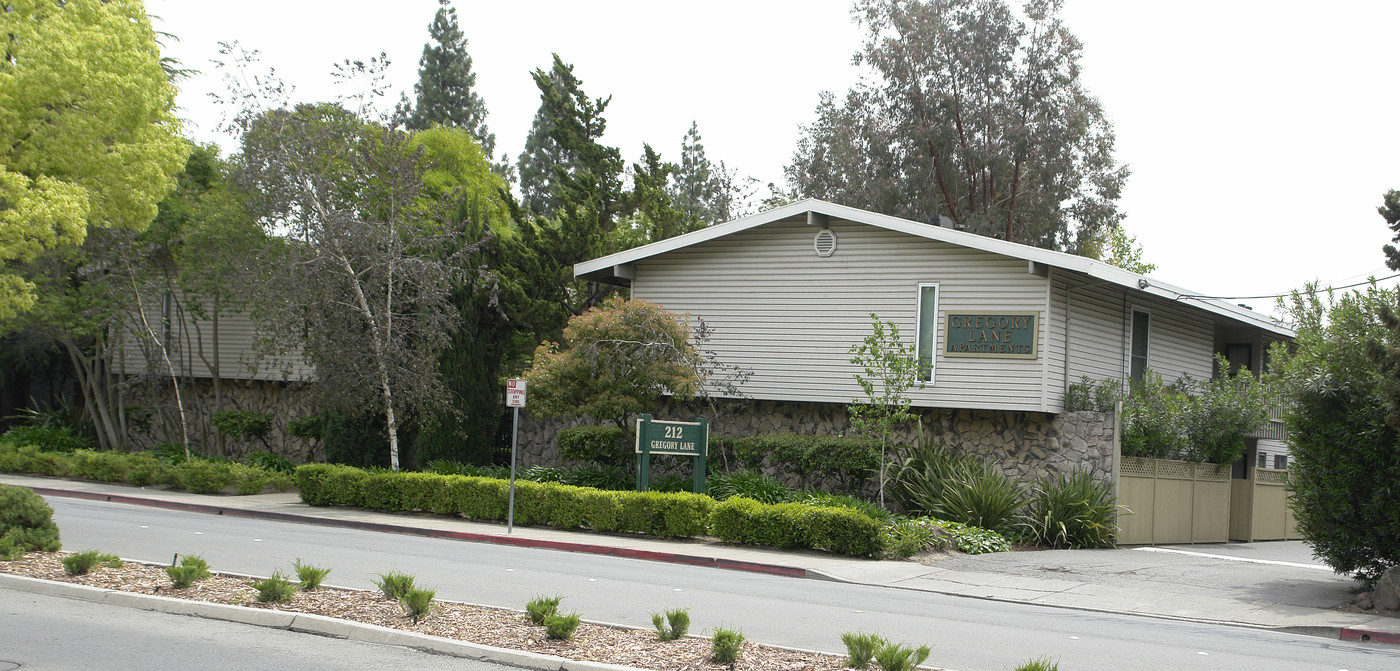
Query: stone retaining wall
[[283, 400], [1027, 445]]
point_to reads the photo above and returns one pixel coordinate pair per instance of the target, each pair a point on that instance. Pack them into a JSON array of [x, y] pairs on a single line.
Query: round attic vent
[[824, 243]]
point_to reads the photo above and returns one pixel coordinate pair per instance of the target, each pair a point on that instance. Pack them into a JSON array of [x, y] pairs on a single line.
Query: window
[[925, 346], [1137, 364], [1239, 355], [1280, 461], [1263, 460]]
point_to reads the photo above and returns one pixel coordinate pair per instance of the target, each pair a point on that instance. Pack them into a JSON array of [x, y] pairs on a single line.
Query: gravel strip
[[497, 627]]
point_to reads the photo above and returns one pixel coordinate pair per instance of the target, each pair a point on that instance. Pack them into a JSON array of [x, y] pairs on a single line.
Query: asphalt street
[[967, 634]]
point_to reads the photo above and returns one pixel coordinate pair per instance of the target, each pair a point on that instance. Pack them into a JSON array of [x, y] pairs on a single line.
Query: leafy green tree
[[1390, 210], [654, 215], [973, 113], [1344, 440], [1124, 252], [698, 189], [88, 137], [445, 92], [616, 359], [888, 371]]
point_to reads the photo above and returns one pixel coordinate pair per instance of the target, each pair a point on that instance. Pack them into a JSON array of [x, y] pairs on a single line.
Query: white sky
[[1258, 133]]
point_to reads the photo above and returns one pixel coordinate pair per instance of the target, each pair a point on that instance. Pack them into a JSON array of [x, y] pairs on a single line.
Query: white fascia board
[[599, 268]]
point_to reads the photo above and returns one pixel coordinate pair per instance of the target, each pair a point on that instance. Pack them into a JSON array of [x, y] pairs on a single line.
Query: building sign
[[1009, 335], [688, 439]]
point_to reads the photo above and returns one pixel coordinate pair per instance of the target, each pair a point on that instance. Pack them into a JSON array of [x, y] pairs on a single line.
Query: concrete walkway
[[1264, 585]]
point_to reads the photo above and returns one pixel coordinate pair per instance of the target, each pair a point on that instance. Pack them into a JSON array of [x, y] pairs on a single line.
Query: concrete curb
[[566, 546], [303, 623]]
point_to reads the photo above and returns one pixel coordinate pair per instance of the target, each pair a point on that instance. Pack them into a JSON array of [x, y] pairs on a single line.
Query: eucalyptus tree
[[975, 112]]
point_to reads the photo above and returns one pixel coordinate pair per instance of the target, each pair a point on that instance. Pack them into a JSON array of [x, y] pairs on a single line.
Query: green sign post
[[688, 439]]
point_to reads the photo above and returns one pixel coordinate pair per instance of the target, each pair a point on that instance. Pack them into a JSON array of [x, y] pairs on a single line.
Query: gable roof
[[614, 267]]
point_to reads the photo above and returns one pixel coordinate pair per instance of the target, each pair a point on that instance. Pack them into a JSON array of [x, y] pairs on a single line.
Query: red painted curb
[[1370, 636], [566, 546]]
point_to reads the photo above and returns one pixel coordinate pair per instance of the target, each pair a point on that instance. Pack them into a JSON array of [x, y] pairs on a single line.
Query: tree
[[1123, 251], [1344, 437], [445, 91], [973, 114], [889, 370], [697, 190], [616, 359], [1390, 210], [362, 281], [88, 137], [654, 215]]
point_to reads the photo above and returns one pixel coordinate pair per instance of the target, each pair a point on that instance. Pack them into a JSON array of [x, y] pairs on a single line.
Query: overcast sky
[[1257, 132]]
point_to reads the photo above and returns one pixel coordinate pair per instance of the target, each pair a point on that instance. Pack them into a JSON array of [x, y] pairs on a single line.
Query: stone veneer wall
[[1027, 445], [284, 401]]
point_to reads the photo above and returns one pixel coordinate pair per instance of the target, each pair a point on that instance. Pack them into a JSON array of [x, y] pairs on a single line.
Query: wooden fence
[[1173, 502], [1259, 507]]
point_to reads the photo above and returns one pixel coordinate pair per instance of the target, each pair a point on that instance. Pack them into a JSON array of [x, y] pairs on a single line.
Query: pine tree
[[445, 89], [696, 189]]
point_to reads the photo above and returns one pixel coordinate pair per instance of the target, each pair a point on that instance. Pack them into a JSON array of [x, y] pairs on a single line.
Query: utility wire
[[1182, 297]]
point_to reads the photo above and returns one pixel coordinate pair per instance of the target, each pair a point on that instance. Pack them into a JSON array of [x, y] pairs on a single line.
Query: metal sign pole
[[514, 439]]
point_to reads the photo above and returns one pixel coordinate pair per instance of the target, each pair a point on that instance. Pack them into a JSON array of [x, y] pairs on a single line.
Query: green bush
[[897, 657], [269, 461], [861, 648], [602, 445], [955, 486], [242, 425], [275, 589], [1042, 664], [1071, 511], [672, 625], [309, 576], [610, 478], [792, 525], [395, 584], [905, 538], [750, 485], [847, 462], [309, 427], [26, 523], [417, 603], [561, 627], [201, 476], [1194, 420], [48, 438], [1088, 395], [30, 459], [82, 563], [726, 645], [1343, 428], [828, 500], [542, 607], [191, 569]]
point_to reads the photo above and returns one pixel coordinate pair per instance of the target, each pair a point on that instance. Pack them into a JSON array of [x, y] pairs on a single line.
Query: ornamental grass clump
[[83, 562], [542, 607], [191, 569], [561, 627], [275, 589], [725, 645], [673, 625], [394, 584], [898, 657], [417, 603], [1042, 664], [309, 576], [1071, 511], [861, 648]]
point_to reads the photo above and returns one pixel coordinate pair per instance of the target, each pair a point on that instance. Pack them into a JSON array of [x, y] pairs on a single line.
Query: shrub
[[192, 568], [48, 438], [1086, 394], [908, 537], [269, 461], [308, 427], [822, 499], [1042, 664], [1071, 511], [30, 459], [897, 657], [792, 525], [955, 486], [846, 461], [750, 485], [242, 425], [974, 540], [417, 603], [726, 645], [561, 627], [861, 648], [275, 589], [82, 562], [26, 523], [601, 445], [309, 576], [542, 607], [169, 453], [1341, 383], [201, 476], [673, 625], [610, 478], [394, 584]]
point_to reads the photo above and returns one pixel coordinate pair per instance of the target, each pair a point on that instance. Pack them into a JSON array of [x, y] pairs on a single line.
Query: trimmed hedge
[[536, 503], [795, 525], [847, 461], [201, 476]]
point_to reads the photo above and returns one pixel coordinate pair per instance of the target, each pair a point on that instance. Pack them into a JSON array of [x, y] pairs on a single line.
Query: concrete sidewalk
[[1263, 585]]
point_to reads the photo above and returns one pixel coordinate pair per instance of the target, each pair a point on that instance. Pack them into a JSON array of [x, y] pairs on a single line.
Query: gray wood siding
[[237, 357], [790, 316], [1182, 341]]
